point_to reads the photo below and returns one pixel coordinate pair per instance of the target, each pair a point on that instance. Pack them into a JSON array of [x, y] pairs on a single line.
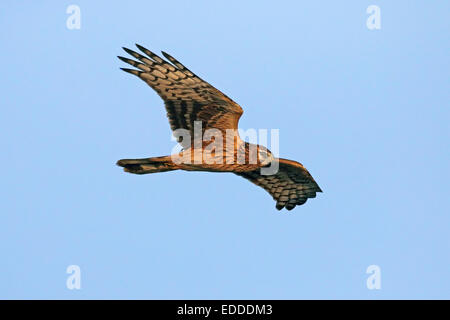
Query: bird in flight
[[196, 109]]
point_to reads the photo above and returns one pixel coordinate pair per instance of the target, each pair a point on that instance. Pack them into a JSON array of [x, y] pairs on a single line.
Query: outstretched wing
[[291, 186], [187, 97]]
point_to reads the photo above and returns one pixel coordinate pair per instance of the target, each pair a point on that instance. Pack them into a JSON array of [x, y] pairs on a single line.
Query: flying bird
[[194, 107]]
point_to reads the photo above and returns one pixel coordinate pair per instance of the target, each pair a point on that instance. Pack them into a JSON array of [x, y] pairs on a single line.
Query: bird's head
[[264, 156], [256, 154]]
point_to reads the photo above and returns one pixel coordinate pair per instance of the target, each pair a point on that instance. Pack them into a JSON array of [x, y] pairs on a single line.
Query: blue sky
[[366, 111]]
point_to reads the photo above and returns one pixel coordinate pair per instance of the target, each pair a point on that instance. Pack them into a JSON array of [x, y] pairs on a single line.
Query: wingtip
[[129, 51], [139, 46], [123, 59], [168, 56], [127, 70], [289, 207]]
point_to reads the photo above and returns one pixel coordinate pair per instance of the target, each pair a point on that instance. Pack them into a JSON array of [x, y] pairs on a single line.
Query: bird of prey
[[193, 107]]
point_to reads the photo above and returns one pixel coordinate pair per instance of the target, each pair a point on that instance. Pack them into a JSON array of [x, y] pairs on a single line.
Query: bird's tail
[[148, 165]]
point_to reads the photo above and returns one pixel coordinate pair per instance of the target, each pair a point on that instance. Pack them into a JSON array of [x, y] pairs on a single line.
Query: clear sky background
[[366, 111]]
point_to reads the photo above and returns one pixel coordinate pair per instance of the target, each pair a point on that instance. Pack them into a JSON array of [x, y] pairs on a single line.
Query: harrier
[[193, 107]]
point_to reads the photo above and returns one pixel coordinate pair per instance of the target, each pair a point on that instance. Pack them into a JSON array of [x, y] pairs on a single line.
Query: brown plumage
[[194, 107]]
